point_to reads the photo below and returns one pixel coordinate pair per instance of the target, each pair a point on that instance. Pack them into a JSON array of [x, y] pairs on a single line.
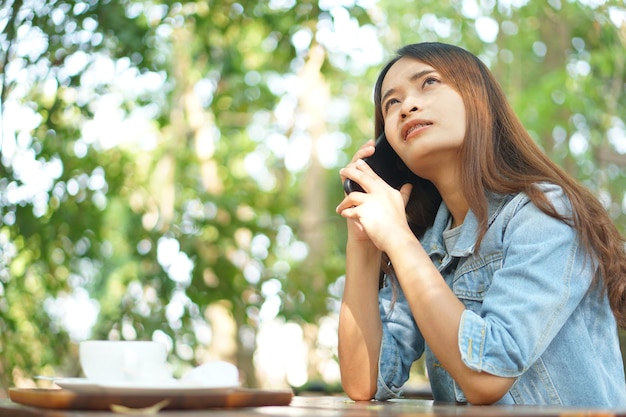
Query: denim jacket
[[531, 313]]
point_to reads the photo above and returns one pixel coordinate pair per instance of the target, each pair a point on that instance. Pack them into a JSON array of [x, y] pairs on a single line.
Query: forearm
[[438, 312], [360, 326]]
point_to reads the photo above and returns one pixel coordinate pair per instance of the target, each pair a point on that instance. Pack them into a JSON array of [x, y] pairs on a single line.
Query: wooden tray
[[179, 400]]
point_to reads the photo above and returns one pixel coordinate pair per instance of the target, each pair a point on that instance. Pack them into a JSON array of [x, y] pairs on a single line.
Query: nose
[[408, 107]]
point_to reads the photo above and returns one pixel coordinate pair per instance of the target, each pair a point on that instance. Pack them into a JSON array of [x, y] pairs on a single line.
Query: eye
[[390, 102], [430, 81]]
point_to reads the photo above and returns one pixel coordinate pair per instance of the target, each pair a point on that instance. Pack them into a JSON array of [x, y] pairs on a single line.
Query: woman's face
[[424, 117]]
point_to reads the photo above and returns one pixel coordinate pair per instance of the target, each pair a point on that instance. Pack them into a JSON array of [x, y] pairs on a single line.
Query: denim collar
[[432, 241]]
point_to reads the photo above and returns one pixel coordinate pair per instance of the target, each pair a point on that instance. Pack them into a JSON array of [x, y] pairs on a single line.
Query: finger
[[347, 211], [359, 172], [405, 191], [364, 167], [352, 170], [351, 200], [368, 143], [356, 162], [345, 171], [366, 150]]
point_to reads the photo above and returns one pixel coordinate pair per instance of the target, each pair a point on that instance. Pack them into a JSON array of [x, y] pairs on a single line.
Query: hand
[[355, 231], [379, 213], [366, 150]]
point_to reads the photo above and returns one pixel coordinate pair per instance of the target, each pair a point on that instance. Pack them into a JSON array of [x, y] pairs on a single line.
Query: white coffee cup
[[124, 361]]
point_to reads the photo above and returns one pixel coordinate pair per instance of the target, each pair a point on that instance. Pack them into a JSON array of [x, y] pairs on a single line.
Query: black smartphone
[[386, 163]]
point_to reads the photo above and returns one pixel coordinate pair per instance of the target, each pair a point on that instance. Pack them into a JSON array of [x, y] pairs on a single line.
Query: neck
[[455, 201], [458, 208]]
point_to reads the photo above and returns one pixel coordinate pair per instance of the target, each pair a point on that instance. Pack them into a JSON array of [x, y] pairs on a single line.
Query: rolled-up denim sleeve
[[402, 342], [544, 275]]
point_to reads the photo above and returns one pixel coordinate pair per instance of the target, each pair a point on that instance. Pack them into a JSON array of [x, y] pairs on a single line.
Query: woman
[[496, 265]]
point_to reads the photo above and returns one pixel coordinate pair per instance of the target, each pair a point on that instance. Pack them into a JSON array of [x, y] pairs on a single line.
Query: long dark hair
[[498, 155]]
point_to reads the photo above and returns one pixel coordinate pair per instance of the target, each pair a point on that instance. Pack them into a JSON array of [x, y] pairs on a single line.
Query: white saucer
[[86, 386]]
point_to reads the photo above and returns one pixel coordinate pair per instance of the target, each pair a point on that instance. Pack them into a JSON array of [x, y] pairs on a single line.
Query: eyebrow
[[414, 77]]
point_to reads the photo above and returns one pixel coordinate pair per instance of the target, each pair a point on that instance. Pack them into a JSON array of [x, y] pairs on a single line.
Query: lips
[[412, 126]]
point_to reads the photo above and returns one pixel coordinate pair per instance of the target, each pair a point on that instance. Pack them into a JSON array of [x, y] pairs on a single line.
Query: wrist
[[364, 247], [398, 239]]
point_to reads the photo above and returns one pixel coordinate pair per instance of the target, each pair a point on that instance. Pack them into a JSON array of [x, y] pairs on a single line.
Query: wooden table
[[331, 406]]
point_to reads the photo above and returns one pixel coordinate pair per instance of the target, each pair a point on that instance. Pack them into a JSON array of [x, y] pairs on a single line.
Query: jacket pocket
[[535, 387], [473, 279]]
